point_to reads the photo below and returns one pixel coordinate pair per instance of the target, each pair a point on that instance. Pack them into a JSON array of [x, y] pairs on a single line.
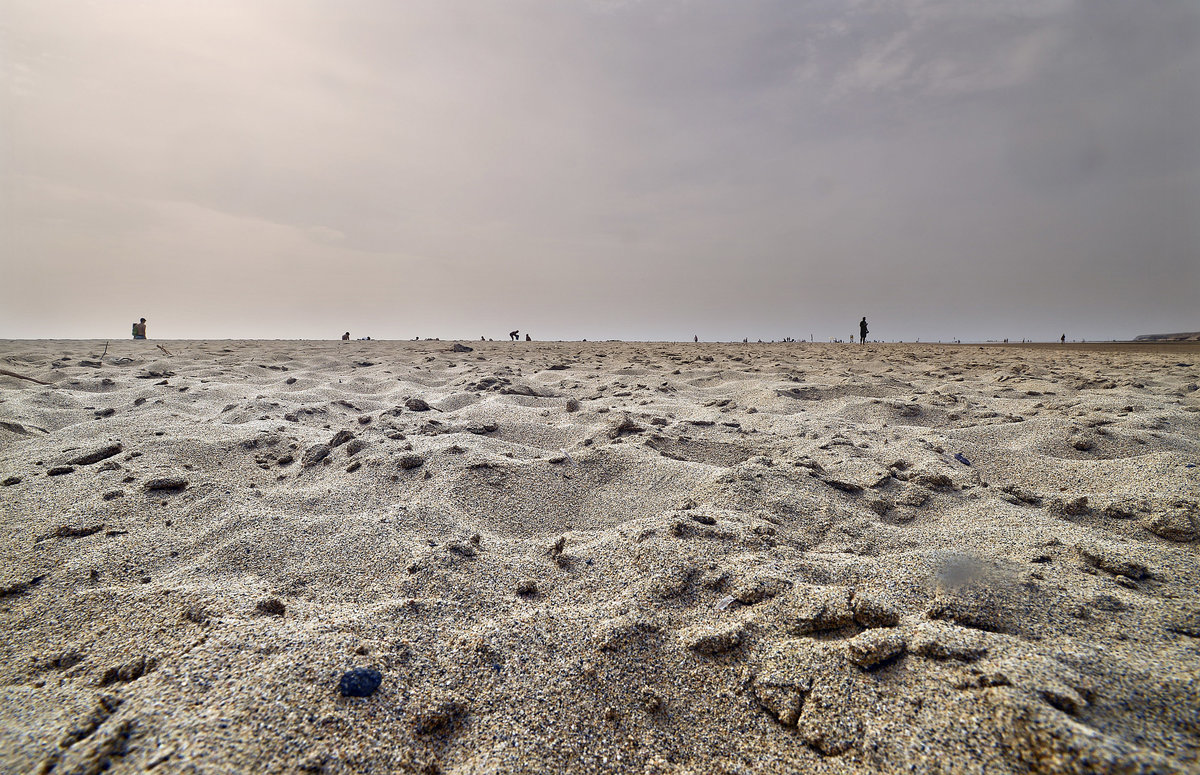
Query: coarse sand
[[598, 557]]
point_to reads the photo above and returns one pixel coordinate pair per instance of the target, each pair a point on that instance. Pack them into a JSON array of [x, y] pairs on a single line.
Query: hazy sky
[[599, 169]]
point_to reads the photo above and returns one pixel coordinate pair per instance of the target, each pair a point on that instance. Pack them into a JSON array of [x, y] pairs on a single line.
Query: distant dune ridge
[[1193, 336], [643, 558]]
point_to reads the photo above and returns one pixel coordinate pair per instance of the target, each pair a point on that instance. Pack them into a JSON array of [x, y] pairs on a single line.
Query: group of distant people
[[514, 335], [862, 334], [139, 332]]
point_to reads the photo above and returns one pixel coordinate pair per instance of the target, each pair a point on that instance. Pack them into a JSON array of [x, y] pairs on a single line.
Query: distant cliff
[[1194, 336]]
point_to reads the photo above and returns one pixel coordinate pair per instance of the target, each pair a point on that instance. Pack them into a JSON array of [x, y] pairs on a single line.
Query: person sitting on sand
[[346, 337], [513, 335], [862, 331], [528, 338], [139, 329]]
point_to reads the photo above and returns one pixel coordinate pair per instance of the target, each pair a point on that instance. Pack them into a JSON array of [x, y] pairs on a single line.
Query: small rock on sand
[[411, 461], [315, 454], [519, 390], [166, 483], [360, 682], [95, 456]]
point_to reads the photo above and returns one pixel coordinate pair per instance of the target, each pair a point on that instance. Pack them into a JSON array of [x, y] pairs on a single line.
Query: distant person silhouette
[[346, 337], [1063, 339], [139, 329], [862, 331], [528, 338], [513, 335], [696, 338]]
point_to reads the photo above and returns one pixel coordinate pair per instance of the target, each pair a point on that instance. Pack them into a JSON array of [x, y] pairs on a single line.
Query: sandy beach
[[598, 557]]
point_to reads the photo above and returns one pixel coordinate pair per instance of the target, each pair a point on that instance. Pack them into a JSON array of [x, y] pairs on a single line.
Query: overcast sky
[[599, 169]]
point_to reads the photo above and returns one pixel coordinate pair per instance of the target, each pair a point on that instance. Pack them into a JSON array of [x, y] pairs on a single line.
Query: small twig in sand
[[168, 352], [103, 353], [567, 457], [8, 373]]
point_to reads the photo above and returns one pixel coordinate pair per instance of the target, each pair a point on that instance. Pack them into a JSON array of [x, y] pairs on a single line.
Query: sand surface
[[599, 557]]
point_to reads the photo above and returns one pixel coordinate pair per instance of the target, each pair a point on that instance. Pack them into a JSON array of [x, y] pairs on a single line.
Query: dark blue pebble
[[360, 682]]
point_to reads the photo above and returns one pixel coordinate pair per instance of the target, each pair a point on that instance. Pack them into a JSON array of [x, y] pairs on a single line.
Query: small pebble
[[360, 682]]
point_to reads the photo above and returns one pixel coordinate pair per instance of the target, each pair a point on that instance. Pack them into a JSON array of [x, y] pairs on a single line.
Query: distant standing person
[[513, 335], [139, 329], [1062, 339], [862, 330]]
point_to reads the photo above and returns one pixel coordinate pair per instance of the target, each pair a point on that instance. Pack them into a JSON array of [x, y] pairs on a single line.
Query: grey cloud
[[639, 169]]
